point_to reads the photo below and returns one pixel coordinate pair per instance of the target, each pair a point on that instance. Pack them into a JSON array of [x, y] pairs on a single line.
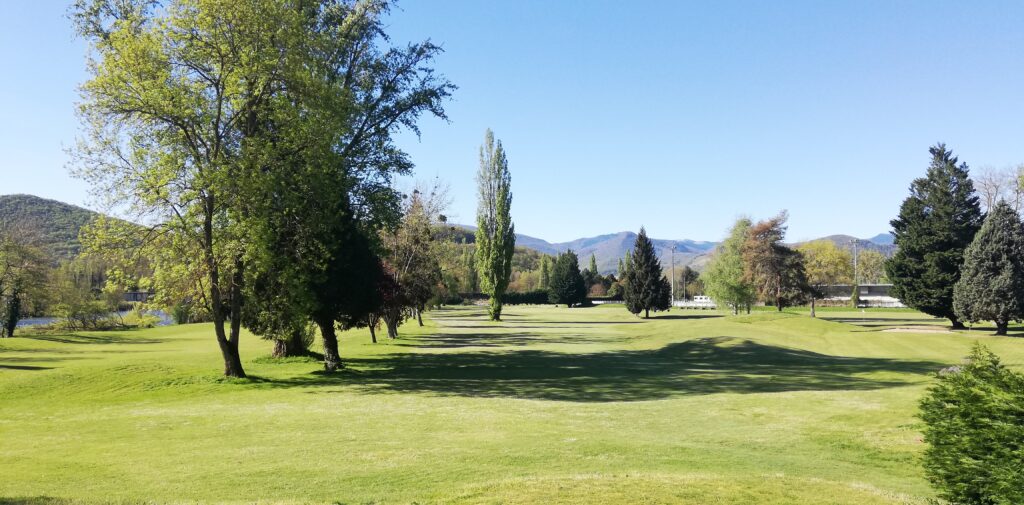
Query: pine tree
[[566, 285], [495, 233], [936, 223], [991, 285], [647, 288]]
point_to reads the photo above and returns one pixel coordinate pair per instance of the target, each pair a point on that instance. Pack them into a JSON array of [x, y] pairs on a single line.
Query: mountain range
[[57, 224], [607, 249]]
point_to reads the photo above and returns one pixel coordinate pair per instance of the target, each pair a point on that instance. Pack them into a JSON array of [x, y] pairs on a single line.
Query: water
[[165, 318]]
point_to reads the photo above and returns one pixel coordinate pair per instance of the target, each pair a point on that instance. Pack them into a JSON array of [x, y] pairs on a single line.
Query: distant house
[[138, 296], [698, 302]]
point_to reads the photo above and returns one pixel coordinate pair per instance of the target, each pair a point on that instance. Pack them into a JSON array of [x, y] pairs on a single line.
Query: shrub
[[974, 427], [535, 297]]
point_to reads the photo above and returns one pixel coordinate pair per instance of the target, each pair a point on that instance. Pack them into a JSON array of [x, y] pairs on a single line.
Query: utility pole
[[673, 290]]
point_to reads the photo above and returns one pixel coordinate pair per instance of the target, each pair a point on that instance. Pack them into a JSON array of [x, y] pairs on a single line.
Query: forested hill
[[55, 224]]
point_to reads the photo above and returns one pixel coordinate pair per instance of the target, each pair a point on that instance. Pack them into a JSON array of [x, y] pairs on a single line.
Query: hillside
[[56, 224]]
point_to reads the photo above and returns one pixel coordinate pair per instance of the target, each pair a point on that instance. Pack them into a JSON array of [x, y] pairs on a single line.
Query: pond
[[165, 318]]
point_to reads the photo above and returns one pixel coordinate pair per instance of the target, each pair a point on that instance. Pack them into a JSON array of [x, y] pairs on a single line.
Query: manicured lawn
[[550, 406]]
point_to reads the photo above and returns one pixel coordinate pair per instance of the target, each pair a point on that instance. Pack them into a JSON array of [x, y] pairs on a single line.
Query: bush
[[974, 427], [535, 297]]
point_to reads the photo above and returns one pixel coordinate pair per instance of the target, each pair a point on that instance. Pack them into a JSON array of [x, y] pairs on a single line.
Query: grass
[[550, 406]]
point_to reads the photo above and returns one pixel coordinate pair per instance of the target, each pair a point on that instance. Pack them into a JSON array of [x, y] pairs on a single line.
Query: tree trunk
[[419, 316], [735, 309], [294, 345], [647, 313], [748, 309], [957, 325], [1001, 327], [392, 327], [228, 348], [332, 361], [495, 308], [812, 308], [373, 329]]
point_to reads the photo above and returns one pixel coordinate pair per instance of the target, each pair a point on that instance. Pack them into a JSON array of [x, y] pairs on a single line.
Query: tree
[[190, 105], [545, 272], [593, 265], [994, 185], [495, 232], [991, 285], [689, 279], [621, 270], [973, 425], [826, 264], [566, 281], [724, 279], [23, 276], [871, 267], [935, 225], [776, 271], [647, 288]]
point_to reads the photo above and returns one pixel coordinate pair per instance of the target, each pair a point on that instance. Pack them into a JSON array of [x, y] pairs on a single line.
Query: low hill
[[55, 224]]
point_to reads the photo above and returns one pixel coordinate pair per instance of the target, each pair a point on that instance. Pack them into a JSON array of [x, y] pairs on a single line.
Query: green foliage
[[855, 296], [724, 279], [871, 267], [23, 277], [55, 225], [646, 288], [777, 272], [935, 225], [566, 281], [991, 285], [974, 427], [495, 232], [536, 297]]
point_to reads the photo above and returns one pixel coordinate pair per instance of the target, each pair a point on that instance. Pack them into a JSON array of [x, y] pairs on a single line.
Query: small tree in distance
[[566, 284], [647, 288]]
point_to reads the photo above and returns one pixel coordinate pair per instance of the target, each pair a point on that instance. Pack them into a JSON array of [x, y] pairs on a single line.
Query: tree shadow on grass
[[495, 340], [105, 338], [695, 367]]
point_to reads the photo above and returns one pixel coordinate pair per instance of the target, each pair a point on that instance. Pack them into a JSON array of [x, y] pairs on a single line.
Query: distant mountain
[[55, 224], [883, 239], [846, 242]]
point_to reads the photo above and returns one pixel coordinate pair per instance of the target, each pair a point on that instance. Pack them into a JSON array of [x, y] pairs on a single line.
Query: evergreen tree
[[936, 223], [495, 233], [991, 285], [545, 272], [776, 271], [724, 279], [647, 288], [566, 285]]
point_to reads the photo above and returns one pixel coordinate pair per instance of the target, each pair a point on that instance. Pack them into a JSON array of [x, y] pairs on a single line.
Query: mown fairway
[[551, 406]]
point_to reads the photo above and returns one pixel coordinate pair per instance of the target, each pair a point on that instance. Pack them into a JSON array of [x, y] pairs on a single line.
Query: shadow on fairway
[[120, 337], [695, 367]]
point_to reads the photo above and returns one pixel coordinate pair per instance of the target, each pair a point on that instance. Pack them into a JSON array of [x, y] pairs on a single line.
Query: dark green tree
[[991, 285], [973, 425], [566, 285], [495, 232], [647, 288], [545, 271], [593, 264], [936, 223]]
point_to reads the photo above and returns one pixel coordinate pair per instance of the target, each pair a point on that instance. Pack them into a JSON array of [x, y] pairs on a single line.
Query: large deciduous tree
[[991, 285], [646, 287], [776, 271], [495, 232], [935, 225], [192, 104], [724, 279], [23, 276], [826, 264], [566, 283]]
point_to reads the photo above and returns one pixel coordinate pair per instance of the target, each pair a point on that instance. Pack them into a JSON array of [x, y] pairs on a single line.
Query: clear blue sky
[[674, 115]]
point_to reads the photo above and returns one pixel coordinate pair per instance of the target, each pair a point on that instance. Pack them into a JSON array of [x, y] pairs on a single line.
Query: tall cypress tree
[[935, 225], [593, 264], [647, 288], [566, 284], [545, 272], [991, 285], [495, 233]]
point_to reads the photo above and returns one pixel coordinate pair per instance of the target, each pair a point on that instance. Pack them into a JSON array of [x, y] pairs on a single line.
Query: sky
[[677, 116]]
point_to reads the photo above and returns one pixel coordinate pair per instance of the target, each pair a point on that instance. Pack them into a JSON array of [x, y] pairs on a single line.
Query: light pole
[[856, 279], [673, 285]]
